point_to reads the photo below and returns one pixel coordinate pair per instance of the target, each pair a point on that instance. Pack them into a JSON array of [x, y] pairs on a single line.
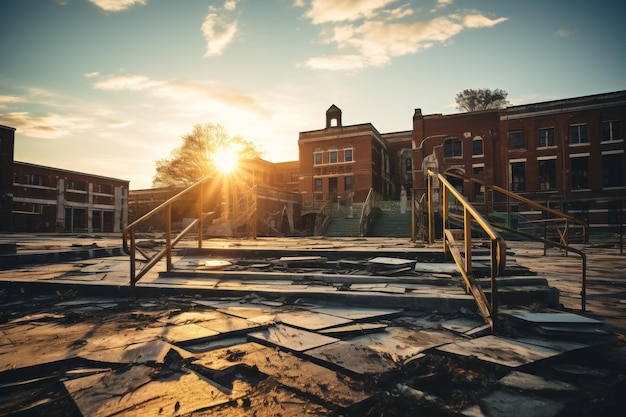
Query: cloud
[[230, 5], [117, 5], [370, 36], [562, 33], [323, 11], [125, 82], [50, 126], [192, 97], [218, 33]]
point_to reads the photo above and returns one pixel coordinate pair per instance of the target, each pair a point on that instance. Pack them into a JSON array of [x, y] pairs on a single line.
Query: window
[[77, 185], [452, 147], [478, 172], [579, 134], [516, 139], [613, 170], [103, 188], [610, 130], [547, 175], [580, 172], [518, 176], [408, 165], [347, 154], [347, 183], [34, 179], [546, 137], [332, 155], [477, 146], [295, 176], [318, 185], [318, 157]]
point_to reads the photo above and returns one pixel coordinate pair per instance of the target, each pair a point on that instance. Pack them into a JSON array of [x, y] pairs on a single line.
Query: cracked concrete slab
[[290, 338], [309, 320], [140, 390], [507, 352]]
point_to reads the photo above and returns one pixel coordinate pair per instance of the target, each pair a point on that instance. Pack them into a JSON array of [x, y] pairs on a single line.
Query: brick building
[[36, 198], [345, 162], [49, 199], [567, 154]]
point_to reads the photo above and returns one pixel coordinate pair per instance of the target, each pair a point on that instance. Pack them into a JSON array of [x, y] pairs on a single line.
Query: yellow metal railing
[[560, 218], [129, 241], [497, 246]]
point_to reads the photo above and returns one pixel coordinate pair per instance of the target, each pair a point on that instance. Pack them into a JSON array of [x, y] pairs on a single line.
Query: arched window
[[452, 147], [477, 146]]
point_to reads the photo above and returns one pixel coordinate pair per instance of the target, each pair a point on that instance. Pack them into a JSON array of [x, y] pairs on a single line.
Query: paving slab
[[291, 371], [185, 333], [39, 343], [154, 351], [509, 404], [507, 352], [290, 338], [142, 391], [358, 313], [401, 344], [230, 324], [309, 320], [355, 359], [188, 317], [528, 382], [554, 318], [353, 330], [461, 325]]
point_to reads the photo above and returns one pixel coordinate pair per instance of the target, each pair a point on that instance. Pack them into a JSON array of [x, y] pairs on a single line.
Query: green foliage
[[193, 160], [481, 99]]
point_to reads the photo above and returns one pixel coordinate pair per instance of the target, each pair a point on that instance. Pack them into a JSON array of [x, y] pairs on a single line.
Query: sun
[[226, 159]]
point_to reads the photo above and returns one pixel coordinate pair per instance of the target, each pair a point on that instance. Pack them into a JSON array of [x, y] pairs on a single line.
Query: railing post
[[133, 257], [200, 217], [168, 237], [583, 284], [494, 255], [444, 216], [431, 214], [467, 231], [412, 215]]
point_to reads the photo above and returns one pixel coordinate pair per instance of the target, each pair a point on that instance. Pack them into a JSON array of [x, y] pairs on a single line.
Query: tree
[[194, 159], [481, 99]]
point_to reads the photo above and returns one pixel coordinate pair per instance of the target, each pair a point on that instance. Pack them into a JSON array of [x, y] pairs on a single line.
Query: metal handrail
[[129, 243], [560, 215], [497, 247]]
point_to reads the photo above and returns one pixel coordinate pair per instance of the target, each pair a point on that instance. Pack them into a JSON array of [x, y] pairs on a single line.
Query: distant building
[[49, 199], [344, 162], [566, 154], [36, 198]]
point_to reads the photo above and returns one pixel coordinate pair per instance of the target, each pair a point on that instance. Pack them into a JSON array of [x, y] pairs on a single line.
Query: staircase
[[391, 223], [343, 227]]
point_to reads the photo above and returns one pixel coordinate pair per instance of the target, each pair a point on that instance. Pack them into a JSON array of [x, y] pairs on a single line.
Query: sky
[[109, 87]]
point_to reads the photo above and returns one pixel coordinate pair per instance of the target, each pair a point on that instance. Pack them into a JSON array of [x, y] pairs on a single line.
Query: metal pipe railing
[[129, 241], [559, 215], [560, 218], [497, 247]]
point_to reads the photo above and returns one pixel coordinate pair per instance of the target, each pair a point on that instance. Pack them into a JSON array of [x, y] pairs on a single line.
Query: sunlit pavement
[[184, 348]]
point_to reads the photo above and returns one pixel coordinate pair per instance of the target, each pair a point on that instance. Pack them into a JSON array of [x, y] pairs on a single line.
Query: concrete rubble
[[185, 349]]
